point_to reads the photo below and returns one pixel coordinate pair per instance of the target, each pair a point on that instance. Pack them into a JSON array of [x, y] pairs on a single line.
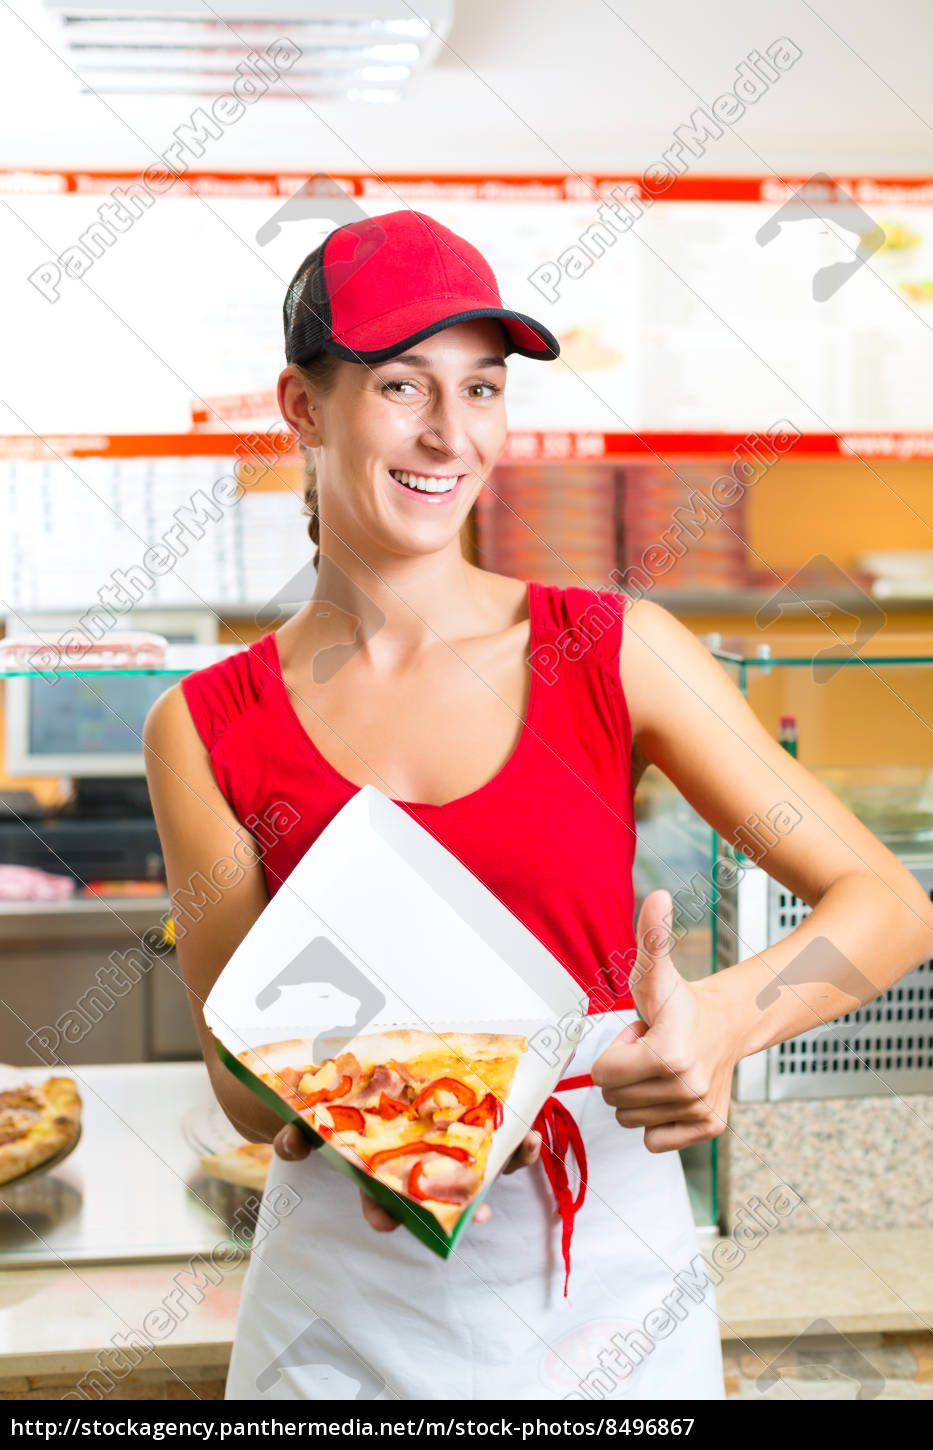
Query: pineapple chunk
[[466, 1135], [324, 1077]]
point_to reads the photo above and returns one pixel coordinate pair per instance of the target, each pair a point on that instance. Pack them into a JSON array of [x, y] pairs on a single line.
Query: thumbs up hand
[[671, 1072]]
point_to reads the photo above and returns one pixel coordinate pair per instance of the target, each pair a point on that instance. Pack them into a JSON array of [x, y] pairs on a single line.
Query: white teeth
[[423, 482]]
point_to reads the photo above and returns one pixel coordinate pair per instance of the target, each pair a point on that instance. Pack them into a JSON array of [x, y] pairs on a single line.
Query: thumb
[[631, 1032], [654, 978]]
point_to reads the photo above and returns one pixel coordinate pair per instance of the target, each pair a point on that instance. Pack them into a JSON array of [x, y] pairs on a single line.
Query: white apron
[[331, 1309]]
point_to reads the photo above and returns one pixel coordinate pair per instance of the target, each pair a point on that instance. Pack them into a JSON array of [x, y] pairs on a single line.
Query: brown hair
[[320, 373]]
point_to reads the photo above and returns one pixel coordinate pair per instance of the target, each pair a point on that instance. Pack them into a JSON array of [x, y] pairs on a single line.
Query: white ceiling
[[537, 86]]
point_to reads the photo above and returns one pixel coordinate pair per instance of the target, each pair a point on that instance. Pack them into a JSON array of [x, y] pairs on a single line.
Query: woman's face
[[434, 416]]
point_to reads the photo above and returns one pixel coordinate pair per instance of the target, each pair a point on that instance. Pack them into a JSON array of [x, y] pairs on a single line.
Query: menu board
[[79, 532], [699, 316]]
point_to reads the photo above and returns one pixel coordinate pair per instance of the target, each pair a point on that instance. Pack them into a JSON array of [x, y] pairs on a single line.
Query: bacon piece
[[449, 1180], [384, 1080], [348, 1066], [389, 1080]]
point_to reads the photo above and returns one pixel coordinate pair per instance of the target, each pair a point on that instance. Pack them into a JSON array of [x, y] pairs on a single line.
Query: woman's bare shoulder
[[173, 750], [504, 595], [169, 720], [658, 648], [197, 825]]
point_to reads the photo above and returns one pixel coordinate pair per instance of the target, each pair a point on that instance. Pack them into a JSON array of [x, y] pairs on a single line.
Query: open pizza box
[[379, 928]]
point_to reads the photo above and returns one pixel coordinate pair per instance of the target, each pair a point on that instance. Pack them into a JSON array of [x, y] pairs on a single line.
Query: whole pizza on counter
[[416, 1110], [37, 1122]]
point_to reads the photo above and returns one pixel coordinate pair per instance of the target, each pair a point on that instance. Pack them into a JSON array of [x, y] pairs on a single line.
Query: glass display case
[[862, 712], [861, 720]]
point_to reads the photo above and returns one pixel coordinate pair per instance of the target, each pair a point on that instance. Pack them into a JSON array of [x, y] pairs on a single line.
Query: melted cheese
[[482, 1074]]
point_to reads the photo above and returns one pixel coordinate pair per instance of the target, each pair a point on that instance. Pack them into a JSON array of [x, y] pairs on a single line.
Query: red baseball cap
[[376, 285]]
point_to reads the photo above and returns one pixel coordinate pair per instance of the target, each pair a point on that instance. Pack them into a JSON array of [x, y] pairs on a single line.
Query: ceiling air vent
[[342, 50]]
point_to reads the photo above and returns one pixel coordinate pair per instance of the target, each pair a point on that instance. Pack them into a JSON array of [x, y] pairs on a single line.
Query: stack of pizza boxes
[[391, 1005]]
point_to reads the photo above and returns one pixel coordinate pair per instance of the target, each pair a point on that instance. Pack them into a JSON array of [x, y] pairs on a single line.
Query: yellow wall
[[839, 508], [881, 714]]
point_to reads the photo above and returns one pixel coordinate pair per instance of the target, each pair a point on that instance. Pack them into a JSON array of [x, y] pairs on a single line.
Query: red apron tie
[[559, 1133]]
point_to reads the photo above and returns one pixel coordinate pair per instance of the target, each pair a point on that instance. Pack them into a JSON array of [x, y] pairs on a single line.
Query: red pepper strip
[[559, 1134], [460, 1090], [348, 1120], [490, 1107], [419, 1146], [391, 1107], [328, 1094], [416, 1191]]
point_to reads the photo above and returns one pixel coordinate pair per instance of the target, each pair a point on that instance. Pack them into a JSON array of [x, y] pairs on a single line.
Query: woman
[[505, 717]]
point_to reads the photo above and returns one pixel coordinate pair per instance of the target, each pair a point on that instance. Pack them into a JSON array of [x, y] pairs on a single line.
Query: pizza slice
[[416, 1110], [246, 1165], [37, 1123]]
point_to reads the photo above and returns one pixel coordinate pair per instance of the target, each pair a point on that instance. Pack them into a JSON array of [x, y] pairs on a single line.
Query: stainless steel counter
[[48, 921], [58, 961], [133, 1188]]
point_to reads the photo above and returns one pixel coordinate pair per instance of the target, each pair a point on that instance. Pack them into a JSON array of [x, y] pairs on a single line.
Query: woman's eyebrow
[[418, 360]]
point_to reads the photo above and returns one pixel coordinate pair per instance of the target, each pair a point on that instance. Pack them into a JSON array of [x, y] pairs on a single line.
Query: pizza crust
[[38, 1121], [371, 1049], [405, 1043]]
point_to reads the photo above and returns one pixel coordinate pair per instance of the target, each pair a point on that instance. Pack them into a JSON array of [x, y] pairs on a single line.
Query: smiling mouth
[[426, 483]]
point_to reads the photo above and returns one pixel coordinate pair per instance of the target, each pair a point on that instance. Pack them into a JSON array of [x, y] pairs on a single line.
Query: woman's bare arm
[[868, 912], [213, 906], [639, 764]]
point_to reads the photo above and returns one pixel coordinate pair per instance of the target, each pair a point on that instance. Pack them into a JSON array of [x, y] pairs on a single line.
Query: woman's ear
[[295, 407]]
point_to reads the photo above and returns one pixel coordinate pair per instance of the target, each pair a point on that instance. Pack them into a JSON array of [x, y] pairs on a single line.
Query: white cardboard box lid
[[380, 925]]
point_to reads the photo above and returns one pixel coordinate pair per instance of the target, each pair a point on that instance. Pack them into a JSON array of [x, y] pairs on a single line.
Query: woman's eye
[[398, 384]]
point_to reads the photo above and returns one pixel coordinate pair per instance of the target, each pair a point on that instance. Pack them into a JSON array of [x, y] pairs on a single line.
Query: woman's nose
[[444, 427]]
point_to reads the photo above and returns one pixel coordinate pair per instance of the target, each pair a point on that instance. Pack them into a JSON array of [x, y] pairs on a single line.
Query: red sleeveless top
[[552, 835]]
